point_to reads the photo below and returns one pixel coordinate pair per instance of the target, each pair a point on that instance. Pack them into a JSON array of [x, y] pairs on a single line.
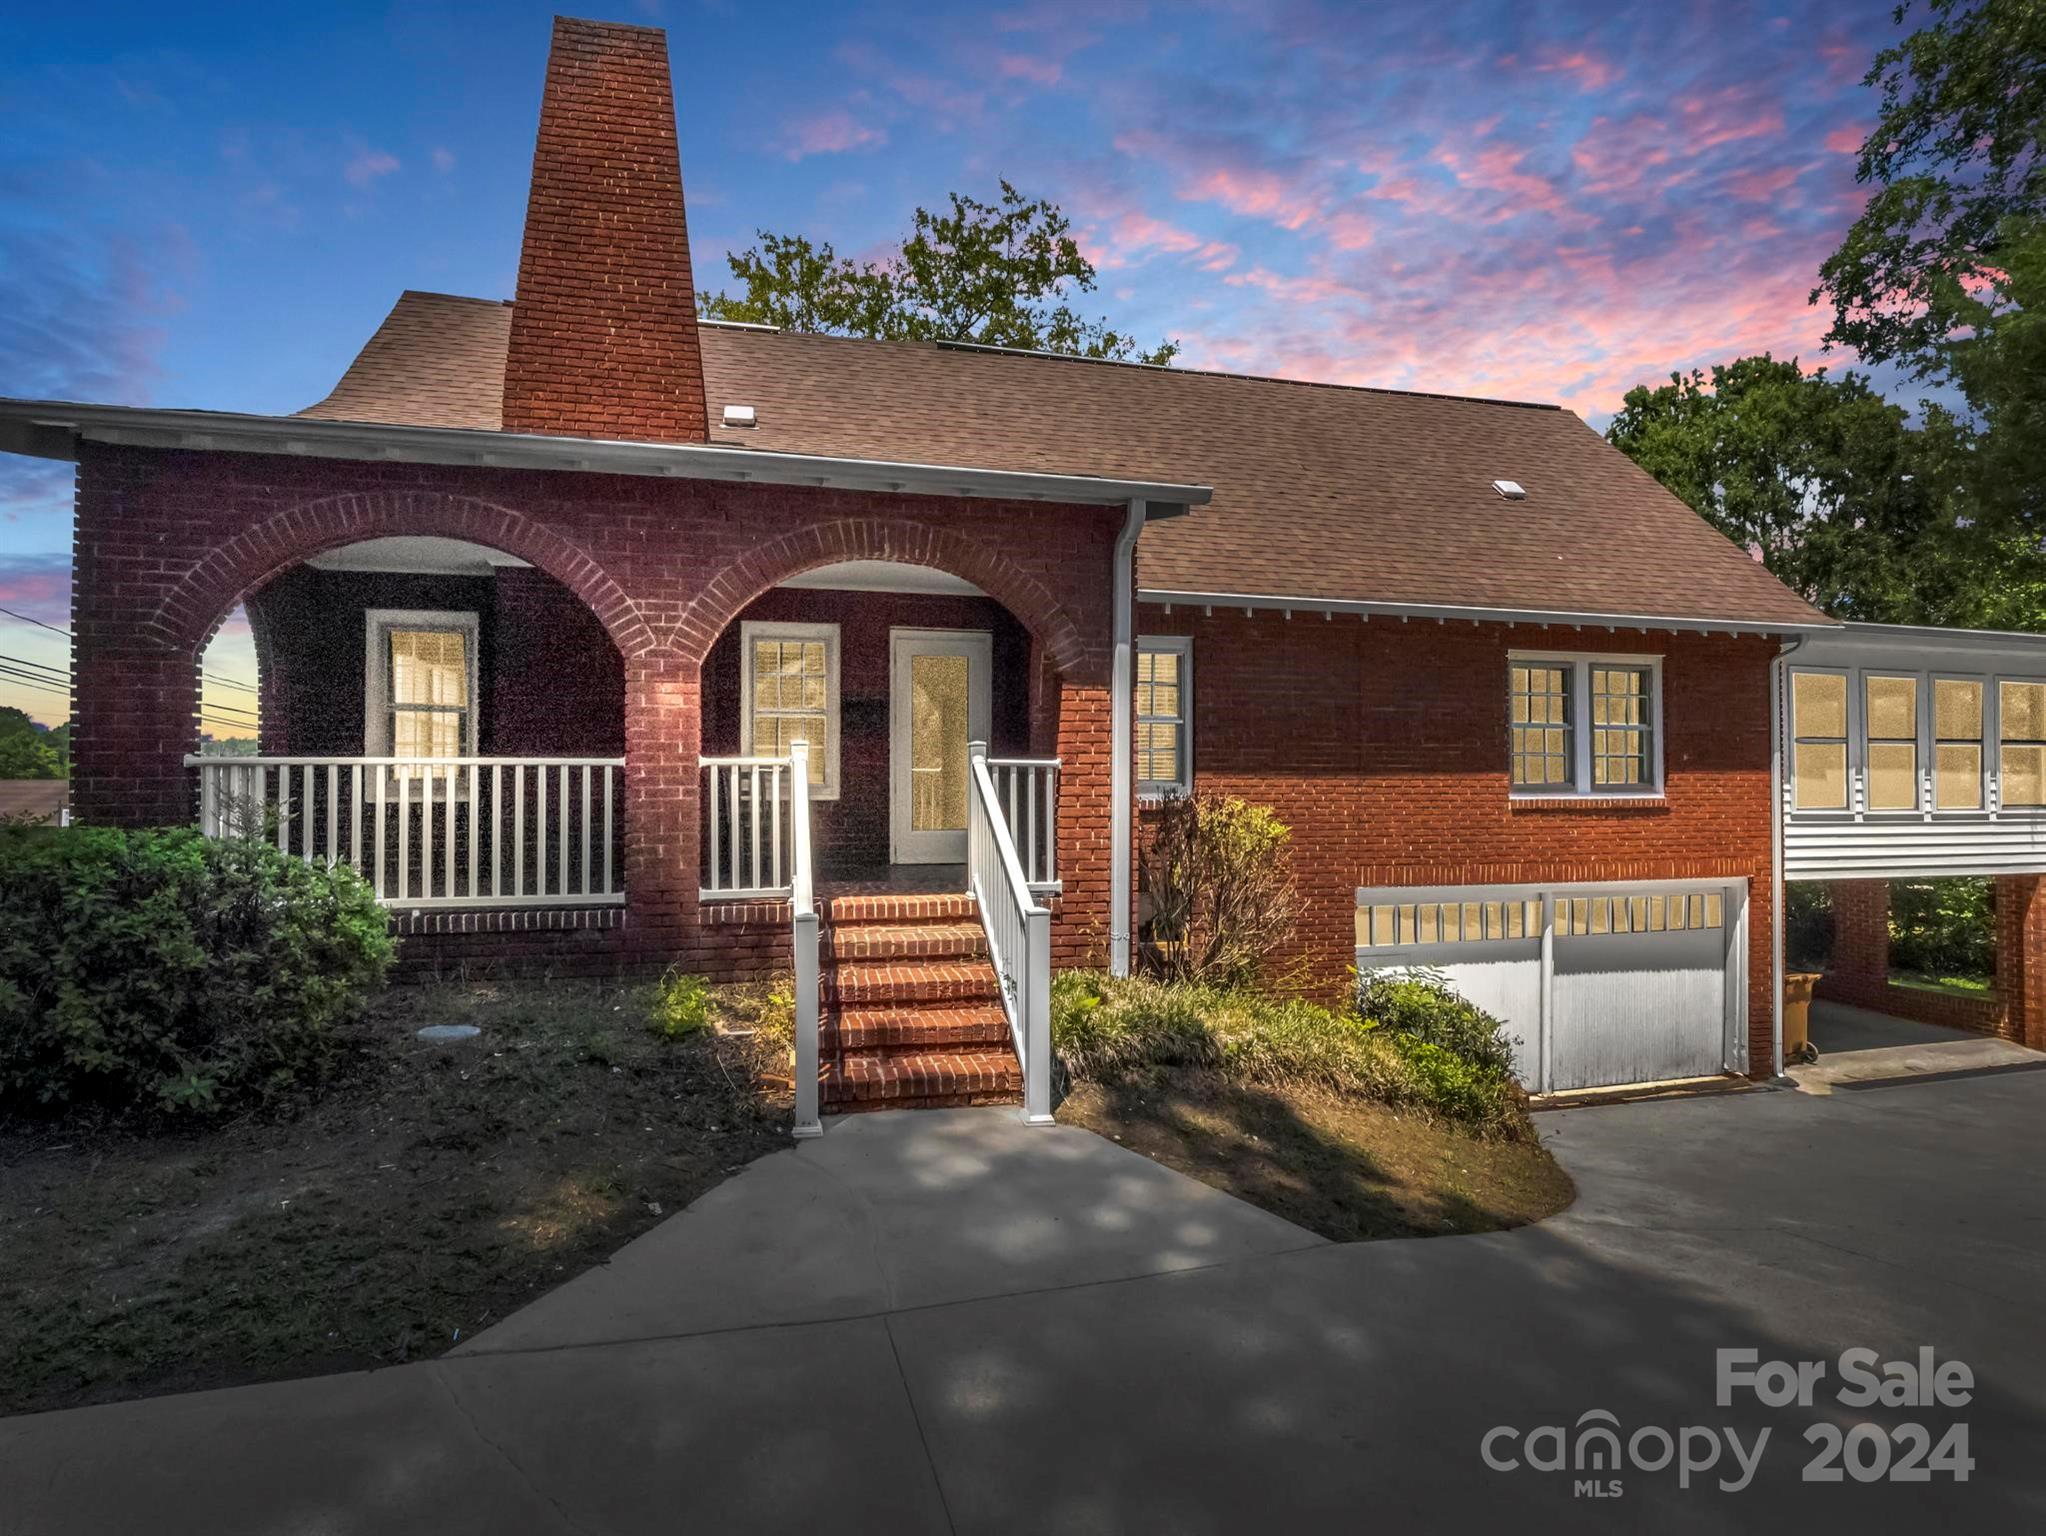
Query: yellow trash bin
[[1798, 987]]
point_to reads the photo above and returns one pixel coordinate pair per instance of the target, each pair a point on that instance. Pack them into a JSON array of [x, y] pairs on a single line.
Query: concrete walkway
[[1858, 1046], [945, 1322]]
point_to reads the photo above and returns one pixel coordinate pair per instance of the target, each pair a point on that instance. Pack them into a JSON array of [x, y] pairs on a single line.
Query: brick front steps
[[912, 1013]]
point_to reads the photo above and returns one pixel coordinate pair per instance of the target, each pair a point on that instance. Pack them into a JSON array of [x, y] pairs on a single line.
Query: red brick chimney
[[603, 333]]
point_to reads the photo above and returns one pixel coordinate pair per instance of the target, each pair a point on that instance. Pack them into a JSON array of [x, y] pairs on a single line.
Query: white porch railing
[[1018, 931], [434, 832], [748, 850], [803, 903], [1027, 789]]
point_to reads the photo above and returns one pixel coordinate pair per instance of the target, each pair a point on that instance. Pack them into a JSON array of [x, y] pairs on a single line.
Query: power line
[[231, 682], [40, 666]]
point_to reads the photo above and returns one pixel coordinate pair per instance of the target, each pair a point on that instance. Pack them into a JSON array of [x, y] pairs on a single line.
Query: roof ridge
[[459, 298]]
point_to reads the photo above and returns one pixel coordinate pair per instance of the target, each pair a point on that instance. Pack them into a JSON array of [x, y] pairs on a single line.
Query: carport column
[[1860, 969], [2021, 957]]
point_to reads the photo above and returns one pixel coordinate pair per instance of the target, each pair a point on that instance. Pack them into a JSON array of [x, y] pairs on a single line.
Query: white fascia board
[[1470, 614], [52, 429]]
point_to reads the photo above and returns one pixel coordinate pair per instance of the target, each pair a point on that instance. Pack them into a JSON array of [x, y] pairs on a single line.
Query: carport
[[1919, 753]]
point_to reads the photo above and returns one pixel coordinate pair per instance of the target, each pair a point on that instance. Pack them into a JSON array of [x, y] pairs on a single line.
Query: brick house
[[602, 637]]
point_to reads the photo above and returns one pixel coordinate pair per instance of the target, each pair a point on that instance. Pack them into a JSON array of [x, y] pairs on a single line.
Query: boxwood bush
[[164, 967]]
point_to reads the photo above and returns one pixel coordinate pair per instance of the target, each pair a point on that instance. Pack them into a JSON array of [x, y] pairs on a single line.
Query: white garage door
[[1599, 985]]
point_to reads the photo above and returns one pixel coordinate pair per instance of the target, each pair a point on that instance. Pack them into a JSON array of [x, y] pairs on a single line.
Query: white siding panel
[[1836, 848], [1639, 1007]]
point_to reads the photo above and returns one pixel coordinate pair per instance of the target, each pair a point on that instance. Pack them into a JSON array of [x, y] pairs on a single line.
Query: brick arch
[[193, 611], [882, 538]]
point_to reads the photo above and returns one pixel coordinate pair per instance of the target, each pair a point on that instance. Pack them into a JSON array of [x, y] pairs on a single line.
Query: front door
[[937, 703]]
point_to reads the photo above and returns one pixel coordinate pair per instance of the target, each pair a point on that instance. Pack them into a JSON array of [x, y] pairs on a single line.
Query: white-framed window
[[1587, 725], [788, 692], [1818, 729], [1164, 746], [419, 684], [1957, 756], [1889, 715], [2021, 744]]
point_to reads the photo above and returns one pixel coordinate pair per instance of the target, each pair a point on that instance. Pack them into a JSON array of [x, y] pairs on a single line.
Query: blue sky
[[215, 205]]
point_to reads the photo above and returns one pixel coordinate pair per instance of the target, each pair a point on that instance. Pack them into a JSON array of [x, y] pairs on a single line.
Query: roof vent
[[741, 416], [1510, 489]]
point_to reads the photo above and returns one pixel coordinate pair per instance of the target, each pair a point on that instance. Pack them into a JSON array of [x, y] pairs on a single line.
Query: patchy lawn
[[1953, 986], [1346, 1168], [425, 1193]]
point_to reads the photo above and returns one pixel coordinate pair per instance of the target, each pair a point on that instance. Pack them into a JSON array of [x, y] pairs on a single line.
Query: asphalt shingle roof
[[1320, 491]]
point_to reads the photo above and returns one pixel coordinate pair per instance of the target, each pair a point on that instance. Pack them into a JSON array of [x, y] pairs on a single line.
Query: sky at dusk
[[215, 205]]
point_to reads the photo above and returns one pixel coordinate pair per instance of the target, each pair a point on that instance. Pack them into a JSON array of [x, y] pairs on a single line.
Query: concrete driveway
[[946, 1322]]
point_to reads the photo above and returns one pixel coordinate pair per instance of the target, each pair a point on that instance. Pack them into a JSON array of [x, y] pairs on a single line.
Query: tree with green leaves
[[999, 274], [1958, 161], [1845, 499], [25, 749]]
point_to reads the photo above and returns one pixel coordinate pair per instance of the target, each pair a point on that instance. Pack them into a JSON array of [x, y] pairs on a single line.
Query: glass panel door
[[938, 702]]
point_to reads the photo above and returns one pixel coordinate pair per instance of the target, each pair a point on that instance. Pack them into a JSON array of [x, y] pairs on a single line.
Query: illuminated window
[[1583, 725], [1890, 722], [1620, 727], [420, 685], [2021, 755], [1957, 744], [1164, 714], [1818, 707], [789, 693], [1544, 751]]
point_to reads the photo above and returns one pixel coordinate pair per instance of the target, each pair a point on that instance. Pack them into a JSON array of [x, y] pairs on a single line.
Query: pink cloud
[[368, 165], [1134, 236], [1023, 66], [443, 159], [1847, 139], [1591, 72], [1761, 186], [829, 133], [1727, 116]]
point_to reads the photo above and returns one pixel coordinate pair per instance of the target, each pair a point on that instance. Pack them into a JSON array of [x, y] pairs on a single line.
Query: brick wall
[[1384, 746], [603, 332], [557, 686], [168, 542]]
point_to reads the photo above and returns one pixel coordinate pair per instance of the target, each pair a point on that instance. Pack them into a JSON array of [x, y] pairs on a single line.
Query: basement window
[[1584, 725]]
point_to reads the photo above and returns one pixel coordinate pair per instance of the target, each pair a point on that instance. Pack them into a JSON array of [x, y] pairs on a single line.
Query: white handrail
[[1018, 932], [431, 832], [1027, 789], [803, 904]]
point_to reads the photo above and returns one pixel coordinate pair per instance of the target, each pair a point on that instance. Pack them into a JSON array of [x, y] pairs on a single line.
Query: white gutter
[[1121, 740], [1779, 669], [1463, 613], [52, 429]]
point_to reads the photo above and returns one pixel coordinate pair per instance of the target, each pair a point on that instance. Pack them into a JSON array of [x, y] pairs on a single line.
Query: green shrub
[[1103, 1028], [1943, 927], [1421, 1004], [678, 1005], [163, 966]]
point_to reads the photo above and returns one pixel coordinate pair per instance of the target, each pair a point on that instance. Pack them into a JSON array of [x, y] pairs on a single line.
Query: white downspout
[[1779, 670], [1122, 704]]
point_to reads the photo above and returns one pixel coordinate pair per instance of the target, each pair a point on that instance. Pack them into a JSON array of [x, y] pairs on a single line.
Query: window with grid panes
[[792, 695], [1164, 709], [2021, 745], [1543, 749], [1622, 754], [1890, 723]]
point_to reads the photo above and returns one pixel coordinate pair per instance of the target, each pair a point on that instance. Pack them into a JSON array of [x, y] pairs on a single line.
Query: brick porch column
[[1079, 936], [663, 736], [1859, 972], [2021, 957]]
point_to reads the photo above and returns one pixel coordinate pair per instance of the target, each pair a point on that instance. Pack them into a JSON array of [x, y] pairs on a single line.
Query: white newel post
[[802, 901]]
